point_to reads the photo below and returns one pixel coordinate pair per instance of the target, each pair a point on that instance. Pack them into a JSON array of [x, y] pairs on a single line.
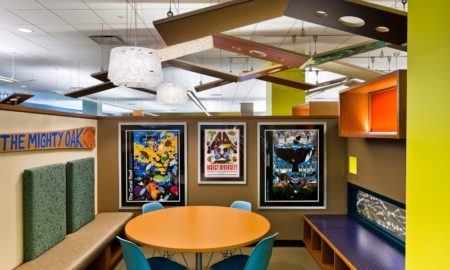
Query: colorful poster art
[[292, 163], [152, 164], [221, 158]]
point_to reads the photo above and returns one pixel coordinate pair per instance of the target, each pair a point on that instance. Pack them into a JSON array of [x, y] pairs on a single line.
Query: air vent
[[108, 40]]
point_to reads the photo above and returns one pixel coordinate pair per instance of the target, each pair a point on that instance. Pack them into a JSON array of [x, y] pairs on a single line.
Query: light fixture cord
[[404, 2], [13, 66], [135, 23], [103, 38], [389, 58], [315, 37]]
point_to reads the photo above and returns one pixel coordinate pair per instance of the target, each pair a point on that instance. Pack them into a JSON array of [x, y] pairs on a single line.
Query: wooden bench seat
[[89, 247], [340, 242]]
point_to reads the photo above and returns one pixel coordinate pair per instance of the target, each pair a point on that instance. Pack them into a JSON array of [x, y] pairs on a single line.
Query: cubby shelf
[[321, 250], [375, 109]]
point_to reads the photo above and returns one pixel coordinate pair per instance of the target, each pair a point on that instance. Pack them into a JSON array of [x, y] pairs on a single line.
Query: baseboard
[[286, 243], [289, 243]]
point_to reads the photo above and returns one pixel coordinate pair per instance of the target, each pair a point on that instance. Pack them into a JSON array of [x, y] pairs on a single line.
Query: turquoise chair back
[[133, 256], [151, 206], [260, 256], [242, 205]]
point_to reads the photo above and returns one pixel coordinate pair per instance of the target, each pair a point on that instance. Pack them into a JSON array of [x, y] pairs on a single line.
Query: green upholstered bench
[[93, 246], [59, 199]]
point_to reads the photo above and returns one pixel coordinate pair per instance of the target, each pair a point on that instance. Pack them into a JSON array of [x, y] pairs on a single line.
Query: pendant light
[[133, 66]]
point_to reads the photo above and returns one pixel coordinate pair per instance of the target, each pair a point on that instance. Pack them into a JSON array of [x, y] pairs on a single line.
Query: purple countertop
[[363, 248]]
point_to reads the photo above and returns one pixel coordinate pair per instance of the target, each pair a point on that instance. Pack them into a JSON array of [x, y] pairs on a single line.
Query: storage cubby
[[375, 109], [327, 256], [307, 234], [316, 245], [322, 250], [339, 264]]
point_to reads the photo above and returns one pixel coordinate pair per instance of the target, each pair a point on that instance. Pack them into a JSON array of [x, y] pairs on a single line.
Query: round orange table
[[197, 229]]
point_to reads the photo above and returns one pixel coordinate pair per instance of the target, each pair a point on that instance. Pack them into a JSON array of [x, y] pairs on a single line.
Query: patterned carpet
[[283, 258]]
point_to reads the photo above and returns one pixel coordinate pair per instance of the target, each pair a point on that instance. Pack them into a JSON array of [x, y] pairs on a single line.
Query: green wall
[[428, 136], [280, 99]]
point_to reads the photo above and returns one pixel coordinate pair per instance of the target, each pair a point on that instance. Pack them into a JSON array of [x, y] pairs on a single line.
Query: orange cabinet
[[375, 109]]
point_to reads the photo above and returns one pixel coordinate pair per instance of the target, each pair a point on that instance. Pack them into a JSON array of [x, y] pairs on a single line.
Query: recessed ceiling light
[[351, 21], [382, 29], [23, 86], [322, 14], [236, 48], [24, 30]]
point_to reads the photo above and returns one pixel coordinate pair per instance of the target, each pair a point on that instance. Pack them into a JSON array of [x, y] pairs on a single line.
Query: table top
[[360, 246], [197, 228]]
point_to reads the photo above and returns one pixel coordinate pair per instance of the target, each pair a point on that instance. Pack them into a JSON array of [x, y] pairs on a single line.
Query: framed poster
[[221, 153], [152, 164], [291, 167]]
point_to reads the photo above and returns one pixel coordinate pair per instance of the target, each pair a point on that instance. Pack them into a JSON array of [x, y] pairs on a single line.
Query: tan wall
[[12, 166], [287, 222], [381, 166]]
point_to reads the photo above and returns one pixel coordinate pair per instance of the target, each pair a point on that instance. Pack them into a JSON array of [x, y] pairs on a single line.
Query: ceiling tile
[[79, 16], [39, 16]]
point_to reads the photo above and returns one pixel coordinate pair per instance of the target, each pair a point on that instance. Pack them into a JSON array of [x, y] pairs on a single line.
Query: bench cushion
[[80, 248], [44, 208], [80, 193]]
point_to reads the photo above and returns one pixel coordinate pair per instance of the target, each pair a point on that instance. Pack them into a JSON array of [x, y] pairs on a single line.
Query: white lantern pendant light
[[132, 66], [171, 94]]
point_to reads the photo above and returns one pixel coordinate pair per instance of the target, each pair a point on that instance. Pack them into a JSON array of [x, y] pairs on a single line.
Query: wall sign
[[79, 138]]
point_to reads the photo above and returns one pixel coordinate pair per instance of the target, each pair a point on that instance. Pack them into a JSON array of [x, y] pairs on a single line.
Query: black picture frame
[[152, 164], [230, 170], [291, 165]]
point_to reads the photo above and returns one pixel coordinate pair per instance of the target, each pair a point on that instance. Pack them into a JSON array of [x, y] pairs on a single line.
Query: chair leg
[[209, 261], [185, 262]]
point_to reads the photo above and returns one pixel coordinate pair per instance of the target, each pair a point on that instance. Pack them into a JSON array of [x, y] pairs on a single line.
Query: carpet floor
[[283, 258]]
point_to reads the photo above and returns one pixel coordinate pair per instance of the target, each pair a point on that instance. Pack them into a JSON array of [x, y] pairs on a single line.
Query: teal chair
[[135, 259], [242, 205], [258, 259], [151, 206]]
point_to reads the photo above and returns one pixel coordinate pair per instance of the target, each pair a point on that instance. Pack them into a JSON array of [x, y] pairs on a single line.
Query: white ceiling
[[59, 56]]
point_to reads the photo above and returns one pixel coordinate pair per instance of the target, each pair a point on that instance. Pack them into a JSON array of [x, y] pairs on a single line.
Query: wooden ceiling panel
[[259, 50], [261, 72], [210, 85], [203, 70], [91, 90], [373, 15], [350, 70], [287, 82], [218, 18]]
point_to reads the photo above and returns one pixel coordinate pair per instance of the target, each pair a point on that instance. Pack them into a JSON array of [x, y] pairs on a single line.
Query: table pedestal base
[[198, 261]]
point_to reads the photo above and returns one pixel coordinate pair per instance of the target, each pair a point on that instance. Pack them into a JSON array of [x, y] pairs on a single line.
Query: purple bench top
[[363, 248]]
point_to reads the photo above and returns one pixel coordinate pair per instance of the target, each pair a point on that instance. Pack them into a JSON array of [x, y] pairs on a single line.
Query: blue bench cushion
[[44, 204], [80, 193]]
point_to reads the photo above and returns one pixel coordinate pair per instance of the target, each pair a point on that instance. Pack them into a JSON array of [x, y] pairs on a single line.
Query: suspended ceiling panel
[[217, 19], [350, 70], [330, 12], [259, 50]]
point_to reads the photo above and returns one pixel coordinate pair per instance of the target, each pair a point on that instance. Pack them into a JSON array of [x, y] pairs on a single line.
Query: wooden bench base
[[92, 247]]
